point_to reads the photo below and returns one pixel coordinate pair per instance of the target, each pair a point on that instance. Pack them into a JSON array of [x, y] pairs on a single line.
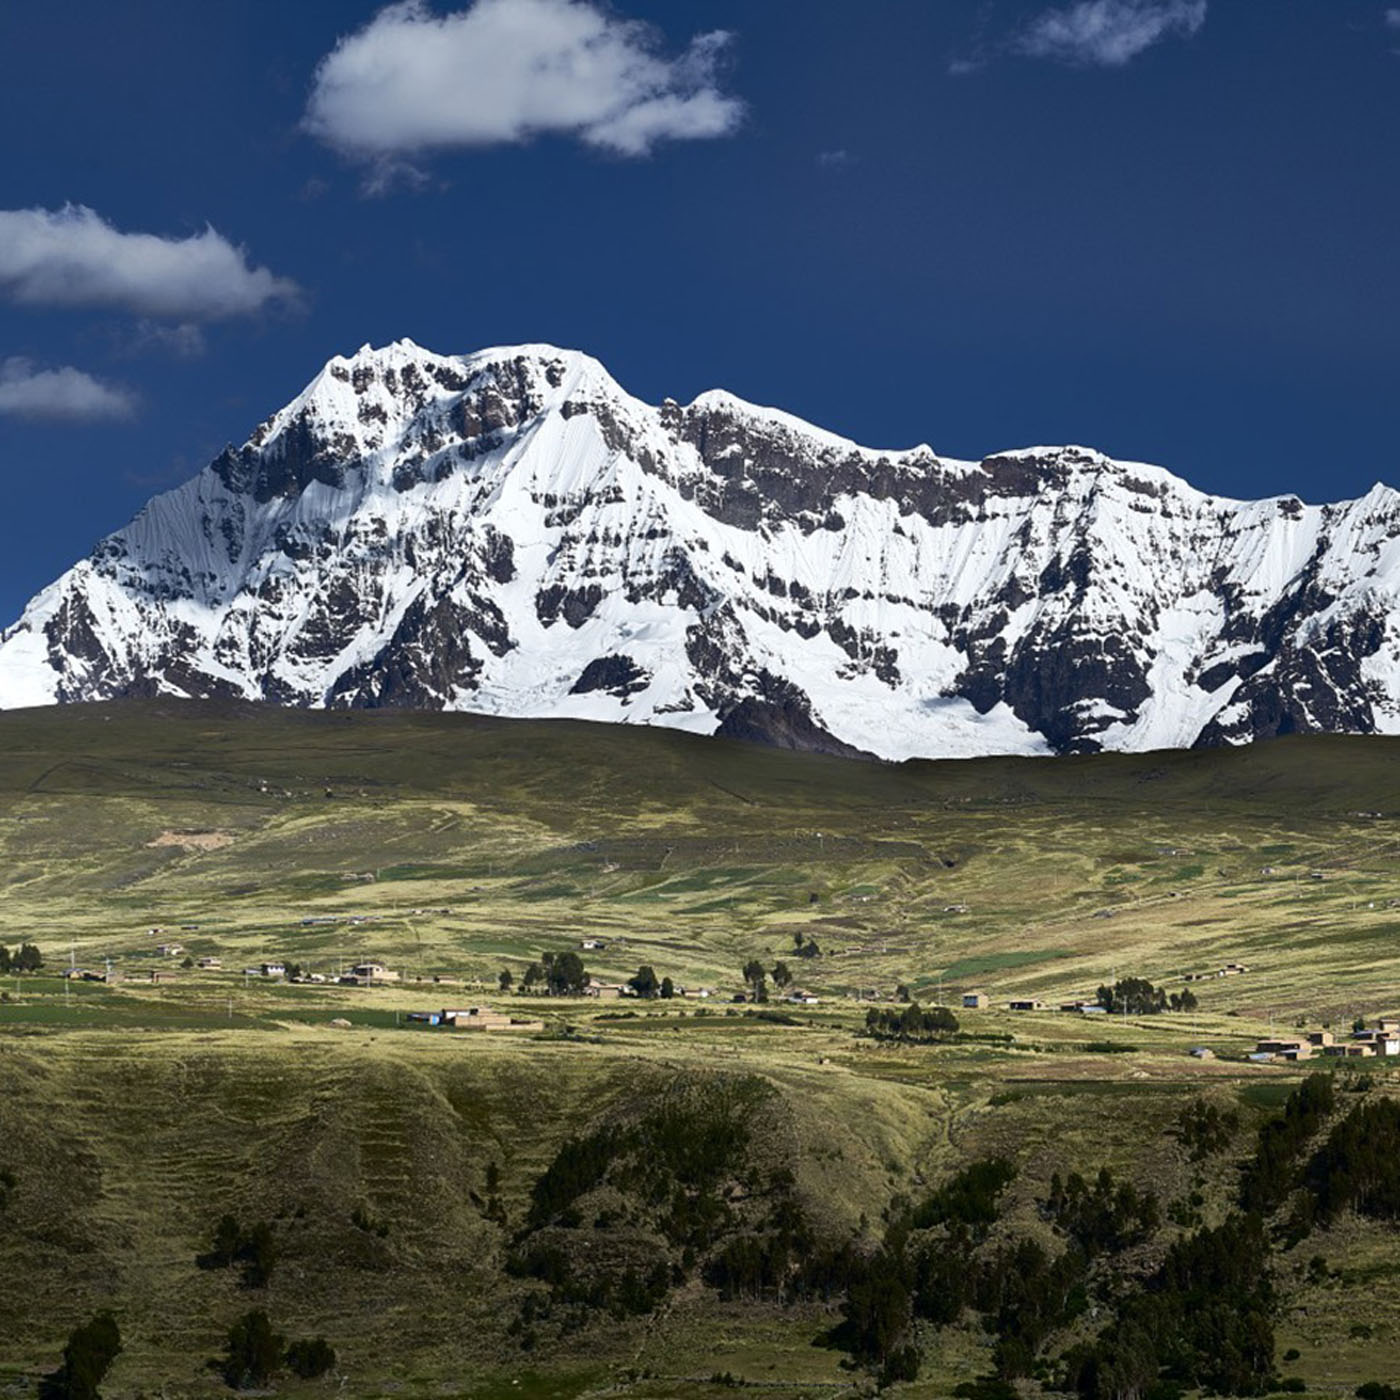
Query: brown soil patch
[[193, 840]]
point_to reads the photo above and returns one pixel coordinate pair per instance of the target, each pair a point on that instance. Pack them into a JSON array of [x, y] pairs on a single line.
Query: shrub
[[311, 1357], [1376, 1390]]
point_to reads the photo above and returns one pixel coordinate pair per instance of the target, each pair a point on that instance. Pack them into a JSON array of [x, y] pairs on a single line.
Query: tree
[[6, 961], [506, 980], [253, 1353], [877, 1308], [259, 1255], [228, 1238], [311, 1357], [534, 975], [566, 974], [645, 983], [902, 993], [1133, 996], [89, 1354], [668, 989], [782, 975], [756, 980], [27, 959]]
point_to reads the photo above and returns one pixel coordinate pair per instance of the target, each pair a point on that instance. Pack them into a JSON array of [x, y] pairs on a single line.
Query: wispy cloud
[[184, 340], [504, 71], [1108, 33], [1392, 18], [73, 257], [834, 160], [65, 394]]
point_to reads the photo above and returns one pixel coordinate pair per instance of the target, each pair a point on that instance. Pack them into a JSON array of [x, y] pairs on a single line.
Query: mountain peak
[[508, 531]]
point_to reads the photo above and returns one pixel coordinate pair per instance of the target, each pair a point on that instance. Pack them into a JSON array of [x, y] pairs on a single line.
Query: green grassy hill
[[133, 1116]]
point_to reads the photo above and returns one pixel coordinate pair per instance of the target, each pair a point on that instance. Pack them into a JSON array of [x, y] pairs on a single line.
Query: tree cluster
[[1358, 1167], [674, 1188], [647, 984], [1273, 1173], [1105, 1218], [1136, 996], [561, 974], [913, 1023], [25, 958], [1202, 1320], [1203, 1130], [253, 1249], [254, 1353], [756, 980]]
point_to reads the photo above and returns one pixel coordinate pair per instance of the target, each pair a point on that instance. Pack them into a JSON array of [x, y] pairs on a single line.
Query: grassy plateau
[[399, 1165]]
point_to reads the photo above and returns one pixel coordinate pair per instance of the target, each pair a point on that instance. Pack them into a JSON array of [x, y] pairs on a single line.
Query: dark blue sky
[[1191, 257]]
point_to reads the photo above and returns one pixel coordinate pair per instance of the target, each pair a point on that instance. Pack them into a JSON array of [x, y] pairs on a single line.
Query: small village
[[1379, 1039]]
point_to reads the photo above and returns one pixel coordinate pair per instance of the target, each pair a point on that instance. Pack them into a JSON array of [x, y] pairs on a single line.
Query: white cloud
[[67, 394], [1108, 33], [505, 71], [73, 257], [1392, 18]]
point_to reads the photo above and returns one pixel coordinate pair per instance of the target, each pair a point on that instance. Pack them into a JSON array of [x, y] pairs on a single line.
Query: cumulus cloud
[[67, 394], [1108, 33], [504, 71], [73, 257]]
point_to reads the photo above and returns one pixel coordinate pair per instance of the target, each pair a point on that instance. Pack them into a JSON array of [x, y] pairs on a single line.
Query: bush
[[311, 1357], [986, 1388], [1376, 1390]]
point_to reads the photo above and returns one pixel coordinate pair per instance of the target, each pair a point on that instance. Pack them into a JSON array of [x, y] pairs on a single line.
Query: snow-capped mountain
[[510, 532]]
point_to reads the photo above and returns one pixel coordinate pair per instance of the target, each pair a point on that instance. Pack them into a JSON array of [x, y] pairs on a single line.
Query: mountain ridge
[[510, 532]]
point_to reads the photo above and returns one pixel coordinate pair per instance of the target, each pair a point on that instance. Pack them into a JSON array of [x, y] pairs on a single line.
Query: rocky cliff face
[[510, 532]]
